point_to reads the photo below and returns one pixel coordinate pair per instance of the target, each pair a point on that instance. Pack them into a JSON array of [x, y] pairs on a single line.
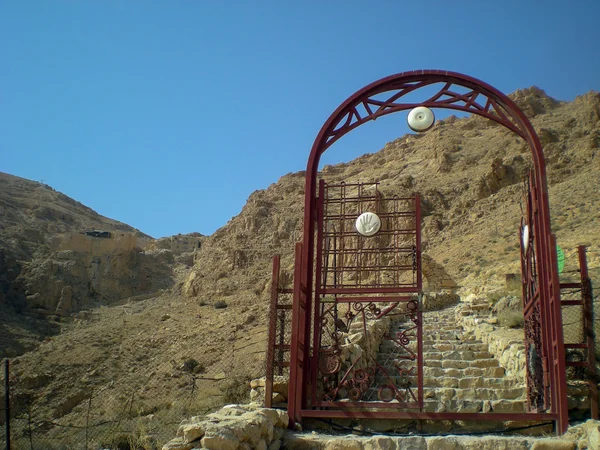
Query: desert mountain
[[32, 215], [469, 173], [210, 316]]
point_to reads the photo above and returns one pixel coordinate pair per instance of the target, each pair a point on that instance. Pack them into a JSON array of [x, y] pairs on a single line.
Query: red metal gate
[[546, 379], [324, 301], [359, 280]]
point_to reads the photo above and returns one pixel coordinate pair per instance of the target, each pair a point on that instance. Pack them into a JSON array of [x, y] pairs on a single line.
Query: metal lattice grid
[[350, 260]]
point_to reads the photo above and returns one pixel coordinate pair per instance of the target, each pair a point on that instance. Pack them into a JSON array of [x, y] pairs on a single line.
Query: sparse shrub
[[511, 319], [134, 440], [117, 441], [192, 366], [236, 390], [220, 304], [513, 286], [493, 297], [202, 303]]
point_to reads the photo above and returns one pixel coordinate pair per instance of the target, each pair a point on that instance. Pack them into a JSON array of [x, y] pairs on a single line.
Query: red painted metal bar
[[367, 404], [577, 363], [420, 306], [296, 380], [588, 326], [362, 414], [318, 275], [571, 302], [537, 259], [272, 331], [558, 367], [570, 285], [370, 290], [402, 299]]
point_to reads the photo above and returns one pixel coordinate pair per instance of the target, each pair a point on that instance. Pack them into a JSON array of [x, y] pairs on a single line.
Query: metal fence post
[[7, 403]]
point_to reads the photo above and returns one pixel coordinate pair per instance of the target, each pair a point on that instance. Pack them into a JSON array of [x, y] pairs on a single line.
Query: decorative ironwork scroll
[[368, 271], [392, 378]]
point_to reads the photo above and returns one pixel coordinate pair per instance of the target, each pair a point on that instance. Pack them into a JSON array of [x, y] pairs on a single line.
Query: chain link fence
[[136, 410], [573, 317]]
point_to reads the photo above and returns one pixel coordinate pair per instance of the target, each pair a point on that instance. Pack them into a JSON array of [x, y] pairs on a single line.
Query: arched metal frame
[[383, 97]]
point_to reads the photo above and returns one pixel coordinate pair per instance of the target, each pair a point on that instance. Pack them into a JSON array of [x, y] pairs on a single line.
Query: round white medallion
[[420, 119], [368, 224], [525, 237]]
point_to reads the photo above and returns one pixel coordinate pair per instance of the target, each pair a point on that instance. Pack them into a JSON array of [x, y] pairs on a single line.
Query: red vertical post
[[558, 363], [588, 328], [420, 293], [314, 367], [272, 331], [296, 385]]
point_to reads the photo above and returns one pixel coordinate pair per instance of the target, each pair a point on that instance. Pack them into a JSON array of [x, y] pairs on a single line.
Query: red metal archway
[[463, 93]]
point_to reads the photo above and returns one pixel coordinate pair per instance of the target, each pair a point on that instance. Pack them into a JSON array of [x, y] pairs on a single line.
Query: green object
[[560, 257]]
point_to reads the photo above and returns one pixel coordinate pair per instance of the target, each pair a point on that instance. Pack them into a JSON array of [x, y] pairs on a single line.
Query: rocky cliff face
[[31, 216], [37, 278], [68, 281]]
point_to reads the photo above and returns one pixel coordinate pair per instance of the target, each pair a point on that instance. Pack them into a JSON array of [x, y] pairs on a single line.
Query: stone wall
[[120, 241], [233, 427]]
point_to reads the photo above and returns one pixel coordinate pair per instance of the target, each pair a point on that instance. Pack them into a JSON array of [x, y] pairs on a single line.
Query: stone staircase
[[459, 374]]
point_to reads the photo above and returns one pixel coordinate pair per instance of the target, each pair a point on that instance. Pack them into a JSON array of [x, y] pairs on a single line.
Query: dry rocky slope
[[32, 217], [468, 171]]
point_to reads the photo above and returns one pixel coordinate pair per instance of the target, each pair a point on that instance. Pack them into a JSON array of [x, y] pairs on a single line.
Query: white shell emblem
[[368, 224], [420, 119]]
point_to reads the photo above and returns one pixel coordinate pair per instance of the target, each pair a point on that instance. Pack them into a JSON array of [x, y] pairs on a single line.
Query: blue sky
[[167, 115]]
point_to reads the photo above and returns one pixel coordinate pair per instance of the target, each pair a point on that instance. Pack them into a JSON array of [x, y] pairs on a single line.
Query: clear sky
[[167, 115]]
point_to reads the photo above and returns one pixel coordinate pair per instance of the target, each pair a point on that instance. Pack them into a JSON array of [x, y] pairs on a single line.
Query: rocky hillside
[[36, 276], [469, 173], [32, 214]]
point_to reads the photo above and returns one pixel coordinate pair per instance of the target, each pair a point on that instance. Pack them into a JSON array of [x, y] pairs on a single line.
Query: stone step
[[449, 335], [486, 372], [466, 355], [452, 382], [440, 327], [429, 340], [474, 406], [446, 394], [330, 439], [455, 346], [457, 354], [463, 374], [484, 406], [447, 363]]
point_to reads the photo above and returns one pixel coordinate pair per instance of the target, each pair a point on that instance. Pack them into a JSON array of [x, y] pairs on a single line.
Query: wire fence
[[573, 315], [134, 411]]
